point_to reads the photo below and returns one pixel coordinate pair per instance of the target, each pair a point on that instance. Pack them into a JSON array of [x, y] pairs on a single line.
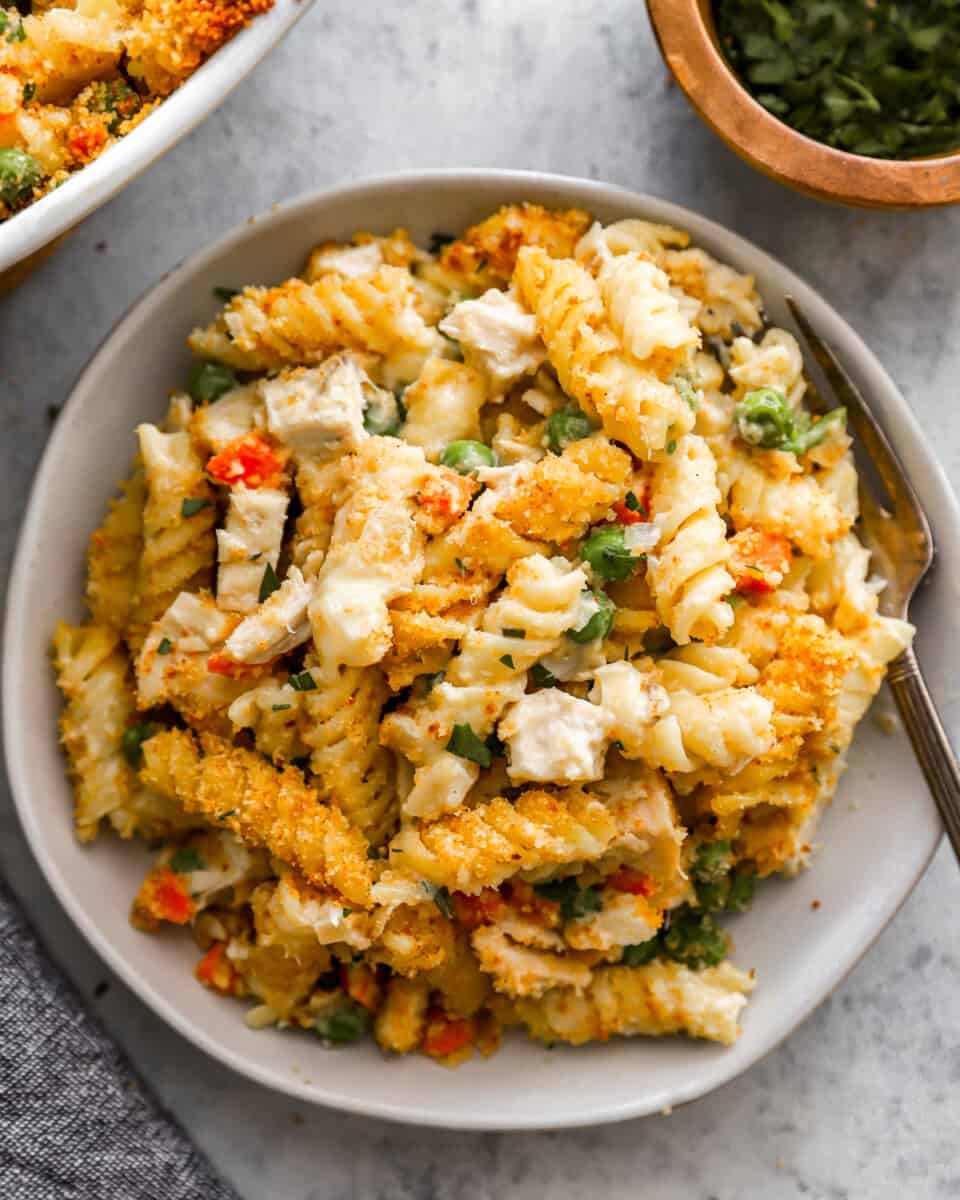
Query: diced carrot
[[444, 1036], [628, 880], [250, 460], [220, 664], [86, 140], [215, 971], [165, 897], [445, 496], [474, 911], [759, 560], [360, 983], [633, 509]]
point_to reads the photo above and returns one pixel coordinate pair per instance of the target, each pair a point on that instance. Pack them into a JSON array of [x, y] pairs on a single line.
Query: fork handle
[[930, 744]]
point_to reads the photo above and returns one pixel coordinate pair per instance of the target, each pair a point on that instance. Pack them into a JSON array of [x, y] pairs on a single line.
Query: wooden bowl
[[688, 41]]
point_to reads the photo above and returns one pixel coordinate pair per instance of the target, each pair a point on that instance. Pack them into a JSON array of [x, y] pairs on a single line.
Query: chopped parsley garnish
[[575, 901], [208, 381], [634, 505], [280, 707], [187, 859], [268, 584], [514, 633], [18, 34], [868, 77], [346, 912], [29, 91], [465, 744], [640, 954], [165, 646], [507, 660], [229, 813], [343, 1025], [131, 743], [461, 566], [541, 676], [440, 240], [226, 294], [671, 445], [439, 895], [430, 681], [687, 391], [304, 682], [194, 504]]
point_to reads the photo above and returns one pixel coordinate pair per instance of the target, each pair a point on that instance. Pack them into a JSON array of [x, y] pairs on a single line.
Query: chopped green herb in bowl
[[869, 77]]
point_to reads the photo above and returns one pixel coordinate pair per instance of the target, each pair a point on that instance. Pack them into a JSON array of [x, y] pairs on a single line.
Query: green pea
[[384, 414], [343, 1025], [567, 425], [115, 96], [19, 175], [713, 897], [598, 625], [712, 862], [467, 456], [208, 381], [743, 884], [695, 940], [764, 418], [606, 553]]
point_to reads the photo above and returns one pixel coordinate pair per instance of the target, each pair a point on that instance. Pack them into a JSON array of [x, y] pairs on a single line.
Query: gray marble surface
[[864, 1100]]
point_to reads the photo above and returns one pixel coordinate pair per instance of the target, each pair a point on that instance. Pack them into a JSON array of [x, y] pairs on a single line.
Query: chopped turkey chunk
[[172, 662], [496, 335], [278, 625], [352, 261], [319, 410], [555, 738], [632, 699], [624, 920], [248, 543], [239, 411]]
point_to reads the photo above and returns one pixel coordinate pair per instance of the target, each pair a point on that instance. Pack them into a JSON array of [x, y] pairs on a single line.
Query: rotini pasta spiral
[[261, 805], [687, 574], [178, 519], [634, 406], [297, 322]]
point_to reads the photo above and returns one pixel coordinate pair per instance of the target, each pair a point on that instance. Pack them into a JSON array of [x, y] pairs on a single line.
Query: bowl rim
[[56, 213], [771, 146], [567, 189]]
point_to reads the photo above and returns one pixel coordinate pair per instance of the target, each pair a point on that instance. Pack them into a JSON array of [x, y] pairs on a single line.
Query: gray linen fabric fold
[[75, 1121]]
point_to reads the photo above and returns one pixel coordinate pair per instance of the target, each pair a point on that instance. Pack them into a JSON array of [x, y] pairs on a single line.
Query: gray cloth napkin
[[75, 1121]]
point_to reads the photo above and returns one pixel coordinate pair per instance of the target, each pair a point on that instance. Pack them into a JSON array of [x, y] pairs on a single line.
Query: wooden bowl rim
[[773, 147]]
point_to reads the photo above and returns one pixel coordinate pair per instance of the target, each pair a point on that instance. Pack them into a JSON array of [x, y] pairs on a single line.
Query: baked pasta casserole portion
[[77, 75], [478, 627]]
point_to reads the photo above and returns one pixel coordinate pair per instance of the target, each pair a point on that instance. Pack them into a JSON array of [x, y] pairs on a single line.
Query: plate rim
[[574, 189]]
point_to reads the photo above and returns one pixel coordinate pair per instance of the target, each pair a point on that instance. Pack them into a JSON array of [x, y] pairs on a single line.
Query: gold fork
[[895, 530]]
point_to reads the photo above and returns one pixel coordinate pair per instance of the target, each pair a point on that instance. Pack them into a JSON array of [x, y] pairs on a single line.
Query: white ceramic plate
[[204, 91], [878, 836]]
